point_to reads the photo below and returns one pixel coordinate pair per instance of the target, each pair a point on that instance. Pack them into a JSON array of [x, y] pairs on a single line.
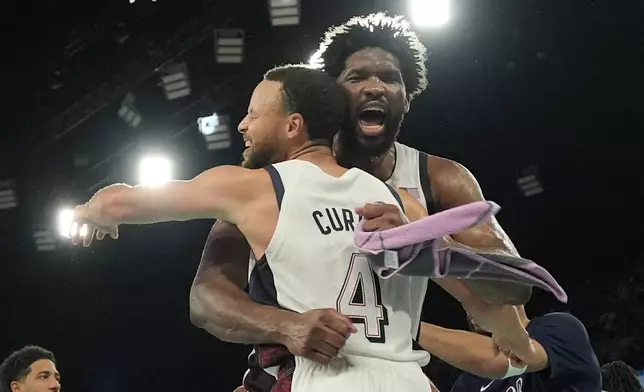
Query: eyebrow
[[49, 372], [390, 71]]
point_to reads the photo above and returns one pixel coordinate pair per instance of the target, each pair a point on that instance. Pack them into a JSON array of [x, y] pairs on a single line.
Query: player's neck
[[384, 165], [312, 152], [381, 166]]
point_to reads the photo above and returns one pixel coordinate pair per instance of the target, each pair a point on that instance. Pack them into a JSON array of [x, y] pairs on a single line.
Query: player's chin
[[373, 141]]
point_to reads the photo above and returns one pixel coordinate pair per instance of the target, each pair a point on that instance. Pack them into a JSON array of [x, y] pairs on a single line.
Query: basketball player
[[381, 62], [31, 369], [298, 216], [559, 357]]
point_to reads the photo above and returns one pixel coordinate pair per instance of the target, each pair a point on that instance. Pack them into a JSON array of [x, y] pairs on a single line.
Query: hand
[[318, 334], [379, 216], [84, 227], [520, 352]]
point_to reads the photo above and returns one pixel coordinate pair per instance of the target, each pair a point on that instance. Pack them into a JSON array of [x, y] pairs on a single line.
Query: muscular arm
[[453, 185], [470, 352], [218, 303], [223, 192], [413, 209]]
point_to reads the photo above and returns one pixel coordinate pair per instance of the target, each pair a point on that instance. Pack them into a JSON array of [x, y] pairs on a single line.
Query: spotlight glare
[[154, 171], [65, 222], [429, 13]]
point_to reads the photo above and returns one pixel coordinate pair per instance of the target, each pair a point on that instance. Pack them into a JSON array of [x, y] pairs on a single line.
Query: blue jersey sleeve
[[565, 340]]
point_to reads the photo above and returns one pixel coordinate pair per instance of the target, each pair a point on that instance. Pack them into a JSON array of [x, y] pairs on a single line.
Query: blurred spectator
[[619, 377]]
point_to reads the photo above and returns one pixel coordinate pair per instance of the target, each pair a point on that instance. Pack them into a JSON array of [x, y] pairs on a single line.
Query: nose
[[243, 125], [373, 88], [55, 385]]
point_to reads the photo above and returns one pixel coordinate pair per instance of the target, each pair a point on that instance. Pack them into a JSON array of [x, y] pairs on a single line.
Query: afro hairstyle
[[392, 34]]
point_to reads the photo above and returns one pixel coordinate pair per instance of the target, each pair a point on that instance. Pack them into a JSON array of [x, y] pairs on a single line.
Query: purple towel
[[506, 279]]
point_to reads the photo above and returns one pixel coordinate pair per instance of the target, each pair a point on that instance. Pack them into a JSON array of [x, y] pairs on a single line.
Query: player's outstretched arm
[[223, 192], [218, 303], [467, 351]]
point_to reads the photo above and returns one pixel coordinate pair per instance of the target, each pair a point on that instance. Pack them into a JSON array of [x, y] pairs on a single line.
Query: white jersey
[[312, 262], [410, 175]]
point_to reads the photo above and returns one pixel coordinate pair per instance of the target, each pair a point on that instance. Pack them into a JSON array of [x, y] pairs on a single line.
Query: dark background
[[513, 84]]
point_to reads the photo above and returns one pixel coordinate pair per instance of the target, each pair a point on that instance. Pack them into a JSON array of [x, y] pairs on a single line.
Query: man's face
[[378, 98], [43, 377], [264, 127]]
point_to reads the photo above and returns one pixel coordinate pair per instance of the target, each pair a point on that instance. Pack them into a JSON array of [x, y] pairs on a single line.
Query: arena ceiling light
[[429, 13], [529, 182], [45, 240], [284, 12], [229, 46], [8, 197], [175, 81], [128, 112], [154, 171], [215, 130]]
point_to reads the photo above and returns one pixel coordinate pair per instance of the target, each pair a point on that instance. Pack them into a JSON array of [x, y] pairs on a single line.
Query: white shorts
[[358, 374]]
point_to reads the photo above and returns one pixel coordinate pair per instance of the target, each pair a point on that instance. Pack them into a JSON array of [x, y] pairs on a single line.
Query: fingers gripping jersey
[[312, 263]]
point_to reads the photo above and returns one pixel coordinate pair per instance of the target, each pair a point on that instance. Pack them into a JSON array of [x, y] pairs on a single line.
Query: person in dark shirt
[[562, 359], [619, 377]]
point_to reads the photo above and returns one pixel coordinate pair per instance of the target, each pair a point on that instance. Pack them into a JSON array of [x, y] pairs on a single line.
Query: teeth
[[374, 106]]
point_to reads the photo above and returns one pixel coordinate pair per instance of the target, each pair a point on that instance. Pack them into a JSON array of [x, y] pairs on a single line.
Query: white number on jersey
[[361, 300]]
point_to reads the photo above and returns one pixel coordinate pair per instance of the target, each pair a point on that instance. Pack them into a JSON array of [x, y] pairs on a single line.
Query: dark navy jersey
[[572, 364]]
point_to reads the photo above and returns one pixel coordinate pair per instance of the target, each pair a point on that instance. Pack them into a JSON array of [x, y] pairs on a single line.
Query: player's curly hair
[[619, 377], [315, 95], [18, 365], [392, 34]]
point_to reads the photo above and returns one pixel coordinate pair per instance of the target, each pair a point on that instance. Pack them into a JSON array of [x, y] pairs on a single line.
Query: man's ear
[[295, 125], [407, 104], [15, 386]]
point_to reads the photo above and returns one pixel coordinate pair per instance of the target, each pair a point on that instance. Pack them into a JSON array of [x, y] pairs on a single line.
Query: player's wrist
[[283, 325]]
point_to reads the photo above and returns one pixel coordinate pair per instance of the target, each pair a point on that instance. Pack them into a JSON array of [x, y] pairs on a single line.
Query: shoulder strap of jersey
[[396, 196], [425, 183], [278, 185]]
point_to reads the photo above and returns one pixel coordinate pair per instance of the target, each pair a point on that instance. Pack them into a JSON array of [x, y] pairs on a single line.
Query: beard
[[355, 149], [261, 157]]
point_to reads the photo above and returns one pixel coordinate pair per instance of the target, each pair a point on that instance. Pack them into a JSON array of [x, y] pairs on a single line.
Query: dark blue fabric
[[572, 364]]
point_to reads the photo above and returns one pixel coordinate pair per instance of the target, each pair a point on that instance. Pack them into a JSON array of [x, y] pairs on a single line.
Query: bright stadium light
[[154, 171], [65, 221], [65, 224], [429, 13]]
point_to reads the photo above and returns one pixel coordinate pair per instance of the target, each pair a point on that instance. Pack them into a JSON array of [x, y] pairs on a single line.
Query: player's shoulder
[[564, 327], [436, 165], [559, 320]]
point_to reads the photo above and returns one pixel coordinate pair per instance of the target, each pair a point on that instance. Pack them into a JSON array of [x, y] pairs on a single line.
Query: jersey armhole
[[425, 183], [278, 185], [397, 197]]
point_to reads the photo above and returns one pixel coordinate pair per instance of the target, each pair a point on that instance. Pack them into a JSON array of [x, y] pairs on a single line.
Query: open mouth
[[372, 121]]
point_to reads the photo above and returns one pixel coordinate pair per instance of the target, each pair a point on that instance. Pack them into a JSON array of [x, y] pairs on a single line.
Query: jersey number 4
[[361, 300]]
